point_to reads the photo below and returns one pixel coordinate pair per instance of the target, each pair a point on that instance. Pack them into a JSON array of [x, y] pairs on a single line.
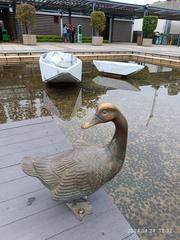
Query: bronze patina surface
[[73, 175]]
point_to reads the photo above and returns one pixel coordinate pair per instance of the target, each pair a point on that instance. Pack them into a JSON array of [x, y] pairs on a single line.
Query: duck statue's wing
[[73, 175]]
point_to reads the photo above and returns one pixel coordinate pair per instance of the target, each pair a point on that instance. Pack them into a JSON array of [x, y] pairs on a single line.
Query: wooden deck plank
[[59, 218], [11, 173], [14, 171], [27, 137], [32, 144], [12, 132], [18, 188], [153, 58], [50, 135], [132, 236], [25, 205], [27, 211], [26, 123], [43, 151], [48, 140], [104, 228]]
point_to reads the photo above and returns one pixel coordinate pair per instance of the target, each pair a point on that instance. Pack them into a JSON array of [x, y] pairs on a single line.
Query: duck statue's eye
[[104, 111]]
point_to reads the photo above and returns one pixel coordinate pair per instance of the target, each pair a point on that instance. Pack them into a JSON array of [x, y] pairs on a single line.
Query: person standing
[[65, 33], [69, 33], [73, 31], [1, 27]]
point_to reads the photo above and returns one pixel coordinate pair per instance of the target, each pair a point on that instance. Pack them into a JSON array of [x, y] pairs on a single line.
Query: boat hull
[[50, 73], [64, 78], [119, 68]]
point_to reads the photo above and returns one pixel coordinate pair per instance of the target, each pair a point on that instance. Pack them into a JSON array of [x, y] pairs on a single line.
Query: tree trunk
[[26, 28]]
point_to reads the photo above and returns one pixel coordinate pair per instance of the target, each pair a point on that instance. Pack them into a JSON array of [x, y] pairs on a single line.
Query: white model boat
[[120, 68], [60, 67]]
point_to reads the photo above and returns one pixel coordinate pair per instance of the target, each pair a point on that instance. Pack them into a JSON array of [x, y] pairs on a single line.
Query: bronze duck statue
[[76, 174]]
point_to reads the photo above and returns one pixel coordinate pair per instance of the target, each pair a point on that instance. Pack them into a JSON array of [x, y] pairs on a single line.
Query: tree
[[149, 25], [98, 20], [25, 13]]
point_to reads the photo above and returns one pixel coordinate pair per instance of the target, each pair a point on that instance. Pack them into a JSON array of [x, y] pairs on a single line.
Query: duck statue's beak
[[95, 120]]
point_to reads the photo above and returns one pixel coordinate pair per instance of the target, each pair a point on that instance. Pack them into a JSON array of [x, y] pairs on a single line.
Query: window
[[56, 19]]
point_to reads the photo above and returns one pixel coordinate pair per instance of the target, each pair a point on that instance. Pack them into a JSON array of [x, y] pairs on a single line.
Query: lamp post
[[61, 22], [70, 16], [111, 23], [93, 9], [146, 12]]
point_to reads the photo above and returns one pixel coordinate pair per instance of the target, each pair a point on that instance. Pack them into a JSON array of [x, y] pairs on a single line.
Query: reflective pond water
[[147, 189]]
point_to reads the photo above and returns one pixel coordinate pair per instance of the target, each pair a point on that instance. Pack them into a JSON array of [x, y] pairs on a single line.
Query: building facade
[[120, 17], [50, 24], [47, 23], [8, 22], [170, 27]]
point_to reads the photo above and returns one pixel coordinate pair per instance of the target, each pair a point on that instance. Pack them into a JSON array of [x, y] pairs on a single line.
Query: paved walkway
[[75, 47]]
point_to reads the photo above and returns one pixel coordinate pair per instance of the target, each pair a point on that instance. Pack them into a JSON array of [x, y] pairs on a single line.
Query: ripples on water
[[147, 189]]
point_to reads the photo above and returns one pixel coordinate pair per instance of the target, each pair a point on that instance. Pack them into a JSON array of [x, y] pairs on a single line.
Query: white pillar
[[132, 31], [61, 25], [110, 30], [167, 26]]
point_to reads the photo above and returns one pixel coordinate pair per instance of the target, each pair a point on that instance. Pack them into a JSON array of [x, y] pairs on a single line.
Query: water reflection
[[18, 103], [114, 83], [151, 115], [157, 69], [71, 99], [24, 96], [173, 88], [147, 190]]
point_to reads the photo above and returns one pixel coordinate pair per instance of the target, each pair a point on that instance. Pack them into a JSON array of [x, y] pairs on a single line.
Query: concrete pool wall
[[157, 54]]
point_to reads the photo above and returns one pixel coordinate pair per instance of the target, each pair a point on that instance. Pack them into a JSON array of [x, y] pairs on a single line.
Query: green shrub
[[149, 25], [105, 41], [86, 39], [89, 40], [49, 38], [56, 38], [98, 20]]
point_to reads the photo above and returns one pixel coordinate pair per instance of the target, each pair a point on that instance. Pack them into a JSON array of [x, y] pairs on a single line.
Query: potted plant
[[98, 20], [149, 26], [25, 14]]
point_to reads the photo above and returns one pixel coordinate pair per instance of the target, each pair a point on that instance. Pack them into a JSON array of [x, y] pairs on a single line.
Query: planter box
[[29, 39], [147, 42], [97, 41]]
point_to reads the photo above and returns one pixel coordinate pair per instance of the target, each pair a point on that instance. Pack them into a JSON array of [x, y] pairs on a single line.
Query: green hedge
[[49, 38], [56, 38], [89, 40], [86, 39], [149, 25]]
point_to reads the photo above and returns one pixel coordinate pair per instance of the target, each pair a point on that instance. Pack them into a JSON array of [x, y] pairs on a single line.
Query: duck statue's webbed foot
[[80, 208]]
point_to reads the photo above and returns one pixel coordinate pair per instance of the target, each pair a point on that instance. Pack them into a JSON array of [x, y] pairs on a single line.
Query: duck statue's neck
[[118, 143]]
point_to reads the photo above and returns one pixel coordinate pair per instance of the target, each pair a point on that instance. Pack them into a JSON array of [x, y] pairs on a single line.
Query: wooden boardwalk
[[156, 54], [26, 209], [89, 56]]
